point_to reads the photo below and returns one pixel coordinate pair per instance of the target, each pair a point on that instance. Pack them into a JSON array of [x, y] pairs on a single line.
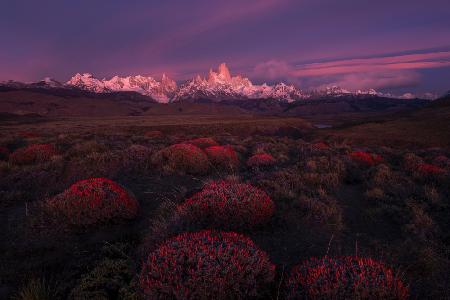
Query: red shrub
[[28, 134], [344, 278], [183, 158], [365, 158], [92, 201], [228, 205], [153, 134], [428, 170], [4, 153], [207, 265], [320, 146], [223, 157], [33, 154], [261, 160], [203, 142]]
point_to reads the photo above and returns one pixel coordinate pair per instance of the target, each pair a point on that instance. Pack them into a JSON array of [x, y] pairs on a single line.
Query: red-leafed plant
[[153, 134], [203, 142], [207, 265], [344, 278], [223, 157], [429, 170], [183, 158], [261, 160], [28, 134], [4, 153], [92, 201], [365, 158], [229, 205], [34, 153], [320, 146]]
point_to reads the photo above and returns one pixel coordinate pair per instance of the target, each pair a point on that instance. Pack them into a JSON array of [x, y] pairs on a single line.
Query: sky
[[395, 45]]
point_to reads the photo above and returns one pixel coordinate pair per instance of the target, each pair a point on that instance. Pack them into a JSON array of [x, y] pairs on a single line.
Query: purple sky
[[396, 45]]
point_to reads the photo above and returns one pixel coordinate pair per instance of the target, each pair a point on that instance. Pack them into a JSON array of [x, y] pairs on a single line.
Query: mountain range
[[218, 86]]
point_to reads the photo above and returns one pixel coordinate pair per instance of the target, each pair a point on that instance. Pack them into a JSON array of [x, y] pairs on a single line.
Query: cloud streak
[[359, 73]]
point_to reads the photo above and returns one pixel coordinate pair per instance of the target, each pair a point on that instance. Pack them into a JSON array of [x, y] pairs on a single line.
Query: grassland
[[329, 199]]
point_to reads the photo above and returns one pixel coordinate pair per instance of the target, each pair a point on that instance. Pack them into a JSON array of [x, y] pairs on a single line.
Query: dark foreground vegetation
[[222, 208]]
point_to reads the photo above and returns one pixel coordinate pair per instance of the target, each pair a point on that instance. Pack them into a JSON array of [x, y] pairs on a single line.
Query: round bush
[[222, 157], [365, 158], [261, 160], [319, 146], [92, 201], [429, 170], [207, 265], [228, 205], [344, 278], [183, 158], [203, 142], [35, 153], [153, 134]]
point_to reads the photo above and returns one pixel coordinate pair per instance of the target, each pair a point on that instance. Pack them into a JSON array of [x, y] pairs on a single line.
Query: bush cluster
[[207, 265], [365, 158], [228, 205], [35, 153], [203, 142], [92, 201], [223, 157], [261, 160], [182, 158], [344, 278]]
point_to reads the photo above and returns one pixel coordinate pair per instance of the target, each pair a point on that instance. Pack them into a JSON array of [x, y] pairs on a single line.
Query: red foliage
[[4, 153], [365, 158], [28, 134], [261, 160], [185, 158], [228, 205], [427, 170], [344, 278], [92, 201], [203, 142], [153, 134], [207, 265], [223, 157], [320, 146], [33, 154]]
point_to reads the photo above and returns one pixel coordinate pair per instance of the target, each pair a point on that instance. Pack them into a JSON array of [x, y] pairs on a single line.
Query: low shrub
[[182, 158], [110, 279], [320, 146], [137, 158], [203, 142], [365, 159], [35, 153], [261, 160], [37, 289], [28, 134], [344, 278], [207, 265], [429, 170], [223, 157], [411, 161], [92, 201], [153, 134], [228, 205]]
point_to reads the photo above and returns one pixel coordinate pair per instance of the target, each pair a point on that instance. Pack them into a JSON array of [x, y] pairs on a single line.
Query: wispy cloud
[[375, 72]]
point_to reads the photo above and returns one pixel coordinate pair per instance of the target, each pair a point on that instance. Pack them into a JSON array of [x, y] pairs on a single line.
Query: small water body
[[322, 126]]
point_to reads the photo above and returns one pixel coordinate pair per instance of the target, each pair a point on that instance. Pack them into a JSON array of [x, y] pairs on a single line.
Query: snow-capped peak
[[160, 91]]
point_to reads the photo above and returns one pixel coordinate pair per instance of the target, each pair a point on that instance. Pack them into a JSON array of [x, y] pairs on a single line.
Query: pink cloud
[[361, 73]]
